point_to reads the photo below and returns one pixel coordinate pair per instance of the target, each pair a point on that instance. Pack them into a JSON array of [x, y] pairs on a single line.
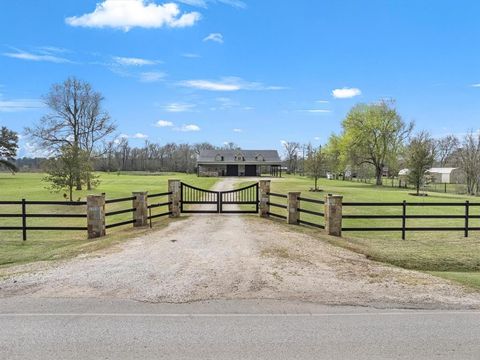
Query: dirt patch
[[235, 257]]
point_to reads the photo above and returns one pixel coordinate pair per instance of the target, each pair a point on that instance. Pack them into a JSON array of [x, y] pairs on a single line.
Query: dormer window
[[239, 157], [259, 157], [219, 157]]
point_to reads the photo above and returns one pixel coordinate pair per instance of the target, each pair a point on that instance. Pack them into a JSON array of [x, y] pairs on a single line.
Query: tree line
[[376, 142]]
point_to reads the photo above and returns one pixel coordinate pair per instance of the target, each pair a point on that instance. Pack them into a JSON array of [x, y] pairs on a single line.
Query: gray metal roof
[[229, 156]]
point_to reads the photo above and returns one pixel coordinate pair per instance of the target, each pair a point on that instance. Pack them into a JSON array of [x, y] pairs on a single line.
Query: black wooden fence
[[23, 214], [316, 213]]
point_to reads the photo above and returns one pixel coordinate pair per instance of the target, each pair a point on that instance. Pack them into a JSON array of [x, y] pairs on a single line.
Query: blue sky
[[252, 72]]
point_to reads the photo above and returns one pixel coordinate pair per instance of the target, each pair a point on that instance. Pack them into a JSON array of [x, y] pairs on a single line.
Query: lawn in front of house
[[447, 254], [47, 245]]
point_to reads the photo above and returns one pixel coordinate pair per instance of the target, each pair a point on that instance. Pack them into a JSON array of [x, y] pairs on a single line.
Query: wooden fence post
[[96, 216], [264, 198], [174, 198], [333, 214], [292, 207], [140, 204]]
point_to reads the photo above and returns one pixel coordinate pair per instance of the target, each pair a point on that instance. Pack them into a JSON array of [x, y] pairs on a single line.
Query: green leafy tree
[[64, 171], [374, 134], [315, 164], [420, 155], [8, 148]]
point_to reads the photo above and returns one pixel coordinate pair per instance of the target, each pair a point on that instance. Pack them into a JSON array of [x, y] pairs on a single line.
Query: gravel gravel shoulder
[[208, 257]]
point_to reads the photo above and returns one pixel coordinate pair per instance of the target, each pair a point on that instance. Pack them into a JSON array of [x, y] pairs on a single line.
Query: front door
[[232, 170]]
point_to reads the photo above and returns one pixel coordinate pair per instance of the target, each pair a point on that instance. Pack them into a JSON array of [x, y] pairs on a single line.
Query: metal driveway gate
[[207, 201]]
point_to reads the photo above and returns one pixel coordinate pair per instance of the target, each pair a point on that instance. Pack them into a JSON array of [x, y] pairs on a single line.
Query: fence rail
[[317, 214]]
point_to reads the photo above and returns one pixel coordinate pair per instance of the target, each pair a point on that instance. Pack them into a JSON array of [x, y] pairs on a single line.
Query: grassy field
[[447, 254], [47, 245]]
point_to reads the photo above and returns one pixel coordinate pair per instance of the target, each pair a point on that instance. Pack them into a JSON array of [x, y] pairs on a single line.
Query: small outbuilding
[[445, 175], [238, 163]]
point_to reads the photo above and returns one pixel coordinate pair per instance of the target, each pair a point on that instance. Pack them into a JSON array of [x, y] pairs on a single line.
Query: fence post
[[174, 198], [467, 206], [333, 214], [292, 208], [264, 198], [24, 219], [96, 216], [140, 204], [404, 218]]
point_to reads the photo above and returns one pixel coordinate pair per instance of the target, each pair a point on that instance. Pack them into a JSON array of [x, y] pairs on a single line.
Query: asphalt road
[[100, 329]]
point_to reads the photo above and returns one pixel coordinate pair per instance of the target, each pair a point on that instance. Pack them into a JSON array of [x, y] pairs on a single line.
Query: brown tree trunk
[[378, 175]]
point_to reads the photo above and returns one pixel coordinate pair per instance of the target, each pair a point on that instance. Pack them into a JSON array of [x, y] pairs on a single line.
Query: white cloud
[[126, 14], [316, 138], [14, 105], [215, 37], [191, 55], [322, 101], [476, 85], [133, 61], [151, 76], [164, 123], [39, 56], [134, 136], [235, 3], [178, 107], [227, 84], [188, 128], [317, 111], [346, 93], [198, 3], [139, 136], [237, 130]]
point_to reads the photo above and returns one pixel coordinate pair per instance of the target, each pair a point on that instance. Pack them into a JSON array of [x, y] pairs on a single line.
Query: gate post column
[[333, 214], [140, 204], [174, 198], [96, 216], [292, 207], [264, 198]]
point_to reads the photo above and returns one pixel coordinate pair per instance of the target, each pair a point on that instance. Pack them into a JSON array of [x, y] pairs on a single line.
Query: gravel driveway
[[236, 257]]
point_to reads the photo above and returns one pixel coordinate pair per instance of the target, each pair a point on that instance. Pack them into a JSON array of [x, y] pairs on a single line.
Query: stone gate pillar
[[292, 208], [333, 214], [96, 216], [140, 203], [264, 198], [174, 198]]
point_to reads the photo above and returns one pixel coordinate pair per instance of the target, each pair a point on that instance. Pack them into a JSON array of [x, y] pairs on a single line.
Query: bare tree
[[469, 157], [315, 164], [445, 148], [77, 119], [291, 152]]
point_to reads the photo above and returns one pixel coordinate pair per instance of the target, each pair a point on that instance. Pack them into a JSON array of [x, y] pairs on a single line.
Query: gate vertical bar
[[181, 197], [24, 219], [404, 218], [256, 199], [467, 211]]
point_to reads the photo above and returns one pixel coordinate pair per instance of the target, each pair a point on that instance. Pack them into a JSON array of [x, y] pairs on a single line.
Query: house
[[238, 163]]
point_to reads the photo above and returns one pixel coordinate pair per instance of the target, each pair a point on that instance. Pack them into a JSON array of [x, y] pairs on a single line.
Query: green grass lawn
[[447, 254], [47, 245]]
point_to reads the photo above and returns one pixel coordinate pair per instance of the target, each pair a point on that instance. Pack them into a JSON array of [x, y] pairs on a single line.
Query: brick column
[[264, 198], [174, 197], [96, 216], [292, 208], [333, 214], [140, 203]]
